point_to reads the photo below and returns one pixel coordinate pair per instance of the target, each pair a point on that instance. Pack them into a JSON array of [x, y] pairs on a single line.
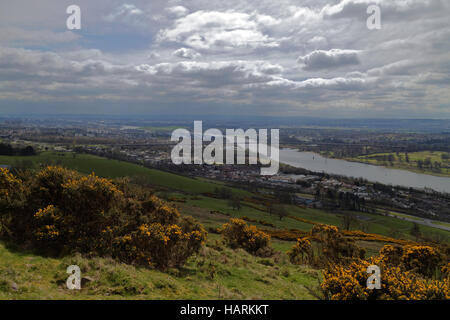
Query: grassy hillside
[[113, 168], [216, 273]]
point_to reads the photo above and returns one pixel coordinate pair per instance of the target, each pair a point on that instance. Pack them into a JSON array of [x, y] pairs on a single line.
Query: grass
[[113, 169], [216, 273], [201, 207], [399, 161], [445, 224]]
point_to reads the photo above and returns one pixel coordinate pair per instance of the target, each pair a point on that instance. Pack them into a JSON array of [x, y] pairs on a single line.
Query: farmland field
[[411, 162]]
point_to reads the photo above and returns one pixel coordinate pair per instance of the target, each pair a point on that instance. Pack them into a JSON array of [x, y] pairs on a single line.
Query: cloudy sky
[[264, 57]]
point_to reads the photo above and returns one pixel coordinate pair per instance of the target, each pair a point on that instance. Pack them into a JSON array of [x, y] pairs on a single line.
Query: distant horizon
[[199, 116]]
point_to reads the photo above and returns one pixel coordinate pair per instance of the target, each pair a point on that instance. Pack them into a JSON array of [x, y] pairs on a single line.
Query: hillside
[[209, 271], [196, 193], [237, 275]]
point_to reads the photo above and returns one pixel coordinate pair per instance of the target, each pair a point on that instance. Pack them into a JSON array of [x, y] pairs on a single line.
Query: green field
[[113, 169], [201, 207], [399, 161]]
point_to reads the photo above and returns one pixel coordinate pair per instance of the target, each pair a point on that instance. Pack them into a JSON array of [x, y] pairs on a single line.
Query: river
[[315, 162]]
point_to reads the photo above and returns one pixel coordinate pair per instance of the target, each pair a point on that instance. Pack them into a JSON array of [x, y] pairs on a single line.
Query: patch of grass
[[216, 273]]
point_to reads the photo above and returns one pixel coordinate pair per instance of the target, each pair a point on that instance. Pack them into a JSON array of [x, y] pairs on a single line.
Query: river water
[[315, 162]]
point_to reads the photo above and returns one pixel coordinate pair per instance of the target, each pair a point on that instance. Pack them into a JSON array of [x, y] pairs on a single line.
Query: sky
[[214, 57]]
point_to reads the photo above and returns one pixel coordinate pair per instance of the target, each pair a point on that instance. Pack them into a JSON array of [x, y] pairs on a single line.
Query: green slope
[[236, 275], [114, 168]]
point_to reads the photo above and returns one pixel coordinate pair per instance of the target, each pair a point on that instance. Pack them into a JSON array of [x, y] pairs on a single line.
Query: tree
[[391, 158], [420, 164], [223, 193], [280, 211], [235, 203], [269, 207], [415, 231], [284, 197], [428, 163], [347, 220], [27, 151]]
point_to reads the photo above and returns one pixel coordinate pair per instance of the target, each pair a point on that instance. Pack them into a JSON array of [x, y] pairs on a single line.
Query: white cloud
[[220, 30], [178, 11], [334, 58], [125, 11], [186, 53], [128, 14], [318, 42]]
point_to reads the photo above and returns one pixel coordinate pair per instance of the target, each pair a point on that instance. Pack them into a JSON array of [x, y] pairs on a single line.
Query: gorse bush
[[418, 272], [423, 260], [391, 254], [238, 234], [350, 283], [302, 252], [406, 274], [57, 211], [332, 247]]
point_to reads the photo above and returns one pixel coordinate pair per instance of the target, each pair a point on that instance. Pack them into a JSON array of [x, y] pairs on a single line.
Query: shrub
[[334, 246], [406, 274], [302, 252], [163, 246], [14, 220], [350, 283], [237, 234], [421, 259], [59, 210], [391, 255], [445, 270]]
